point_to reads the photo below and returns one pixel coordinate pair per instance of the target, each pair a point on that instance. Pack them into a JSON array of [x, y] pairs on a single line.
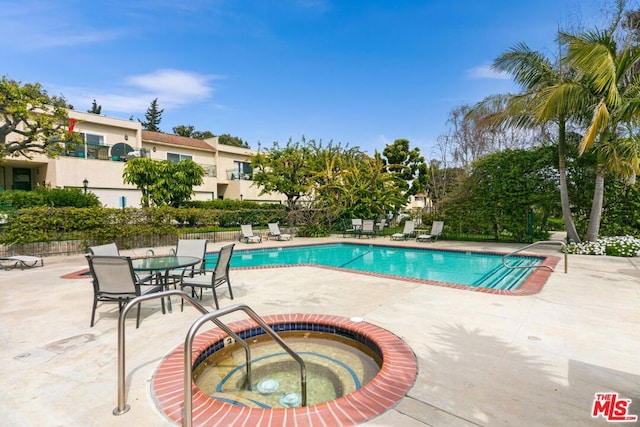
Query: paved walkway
[[483, 359]]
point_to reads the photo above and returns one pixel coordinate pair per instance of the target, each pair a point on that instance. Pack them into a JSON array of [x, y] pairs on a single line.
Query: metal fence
[[79, 244]]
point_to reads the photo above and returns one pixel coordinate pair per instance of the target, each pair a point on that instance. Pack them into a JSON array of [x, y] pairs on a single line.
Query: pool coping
[[531, 286], [396, 377]]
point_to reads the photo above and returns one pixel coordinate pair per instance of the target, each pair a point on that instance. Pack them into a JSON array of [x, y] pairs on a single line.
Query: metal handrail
[[541, 242], [123, 407], [188, 344]]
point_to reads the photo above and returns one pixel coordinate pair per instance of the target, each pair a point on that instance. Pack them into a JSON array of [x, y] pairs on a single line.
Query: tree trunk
[[596, 206], [572, 233]]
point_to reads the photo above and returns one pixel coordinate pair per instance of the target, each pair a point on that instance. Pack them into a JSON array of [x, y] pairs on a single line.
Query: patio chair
[[356, 226], [274, 231], [22, 261], [368, 228], [114, 281], [110, 249], [196, 248], [408, 231], [436, 231], [381, 225], [247, 236], [219, 276]]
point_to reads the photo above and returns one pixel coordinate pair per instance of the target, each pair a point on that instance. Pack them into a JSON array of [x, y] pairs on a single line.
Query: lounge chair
[[436, 231], [274, 231], [114, 281], [247, 236], [408, 231], [356, 226], [219, 276], [368, 228], [22, 261]]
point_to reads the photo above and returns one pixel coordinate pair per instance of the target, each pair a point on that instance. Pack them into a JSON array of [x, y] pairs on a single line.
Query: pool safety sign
[[612, 408]]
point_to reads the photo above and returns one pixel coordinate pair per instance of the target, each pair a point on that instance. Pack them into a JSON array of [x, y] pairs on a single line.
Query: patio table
[[162, 265]]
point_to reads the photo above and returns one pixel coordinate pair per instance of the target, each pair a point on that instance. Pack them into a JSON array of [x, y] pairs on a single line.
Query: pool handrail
[[541, 242], [188, 344], [123, 407]]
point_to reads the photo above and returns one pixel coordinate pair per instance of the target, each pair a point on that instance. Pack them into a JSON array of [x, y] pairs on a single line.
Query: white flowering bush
[[626, 246]]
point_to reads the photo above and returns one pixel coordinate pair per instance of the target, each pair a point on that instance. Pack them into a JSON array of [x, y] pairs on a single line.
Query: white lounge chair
[[408, 231], [274, 231], [368, 228], [436, 231], [247, 236], [22, 261], [356, 227]]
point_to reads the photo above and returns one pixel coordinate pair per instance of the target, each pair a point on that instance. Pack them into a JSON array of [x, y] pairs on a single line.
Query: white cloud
[[486, 72], [173, 88], [31, 25]]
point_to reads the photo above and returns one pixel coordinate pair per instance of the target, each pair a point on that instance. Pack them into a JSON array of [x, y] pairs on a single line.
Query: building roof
[[181, 141]]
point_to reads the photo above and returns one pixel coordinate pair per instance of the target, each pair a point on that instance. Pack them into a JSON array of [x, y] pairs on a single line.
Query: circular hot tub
[[369, 396]]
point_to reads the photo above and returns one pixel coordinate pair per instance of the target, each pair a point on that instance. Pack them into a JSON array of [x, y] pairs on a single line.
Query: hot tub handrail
[[123, 407], [541, 242], [188, 348]]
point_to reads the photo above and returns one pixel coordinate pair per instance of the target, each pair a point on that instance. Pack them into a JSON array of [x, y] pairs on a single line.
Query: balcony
[[234, 174], [119, 152]]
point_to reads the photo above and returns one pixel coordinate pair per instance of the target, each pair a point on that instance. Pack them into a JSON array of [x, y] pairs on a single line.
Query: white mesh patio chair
[[213, 279], [114, 281]]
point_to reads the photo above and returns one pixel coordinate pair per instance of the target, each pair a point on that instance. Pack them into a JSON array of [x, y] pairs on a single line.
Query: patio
[[483, 359]]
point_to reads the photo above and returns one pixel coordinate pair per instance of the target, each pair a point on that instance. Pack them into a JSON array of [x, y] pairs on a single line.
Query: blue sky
[[362, 73]]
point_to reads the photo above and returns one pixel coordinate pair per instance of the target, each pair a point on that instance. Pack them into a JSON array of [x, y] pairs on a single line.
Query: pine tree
[[153, 116]]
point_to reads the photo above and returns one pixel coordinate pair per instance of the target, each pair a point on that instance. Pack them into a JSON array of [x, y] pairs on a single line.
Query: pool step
[[504, 278]]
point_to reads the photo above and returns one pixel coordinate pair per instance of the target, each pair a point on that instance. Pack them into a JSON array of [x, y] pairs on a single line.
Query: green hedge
[[43, 224]]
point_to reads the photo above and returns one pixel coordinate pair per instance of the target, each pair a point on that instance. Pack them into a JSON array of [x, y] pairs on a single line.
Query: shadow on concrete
[[478, 379]]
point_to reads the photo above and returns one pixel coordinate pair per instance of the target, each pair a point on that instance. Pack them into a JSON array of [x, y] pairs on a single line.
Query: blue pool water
[[463, 268]]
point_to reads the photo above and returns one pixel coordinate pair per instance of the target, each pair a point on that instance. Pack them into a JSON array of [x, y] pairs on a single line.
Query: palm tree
[[535, 74], [607, 84]]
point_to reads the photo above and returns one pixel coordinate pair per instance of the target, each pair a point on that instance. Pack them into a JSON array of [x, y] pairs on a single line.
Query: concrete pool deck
[[483, 359]]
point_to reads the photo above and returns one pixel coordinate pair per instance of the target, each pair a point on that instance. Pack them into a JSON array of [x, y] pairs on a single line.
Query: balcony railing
[[233, 174], [119, 152]]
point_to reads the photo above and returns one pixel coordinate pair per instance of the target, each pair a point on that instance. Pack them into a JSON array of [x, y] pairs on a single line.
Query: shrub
[[625, 246]]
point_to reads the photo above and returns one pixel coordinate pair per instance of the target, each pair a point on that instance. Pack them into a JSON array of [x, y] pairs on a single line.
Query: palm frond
[[599, 123]]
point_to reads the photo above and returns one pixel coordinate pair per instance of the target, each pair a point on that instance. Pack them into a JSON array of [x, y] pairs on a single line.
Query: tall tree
[[405, 161], [153, 117], [95, 108], [183, 130], [535, 73], [284, 170], [202, 134], [31, 120], [163, 182], [227, 139], [611, 90]]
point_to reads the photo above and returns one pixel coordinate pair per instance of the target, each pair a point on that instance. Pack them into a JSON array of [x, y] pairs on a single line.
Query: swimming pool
[[473, 269]]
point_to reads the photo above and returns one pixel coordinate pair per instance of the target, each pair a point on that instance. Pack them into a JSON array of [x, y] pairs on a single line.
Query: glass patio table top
[[164, 263]]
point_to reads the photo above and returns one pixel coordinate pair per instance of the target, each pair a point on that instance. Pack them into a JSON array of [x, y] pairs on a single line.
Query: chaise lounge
[[22, 261]]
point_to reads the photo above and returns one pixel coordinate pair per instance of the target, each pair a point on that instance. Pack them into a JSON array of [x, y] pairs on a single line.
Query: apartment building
[[98, 164]]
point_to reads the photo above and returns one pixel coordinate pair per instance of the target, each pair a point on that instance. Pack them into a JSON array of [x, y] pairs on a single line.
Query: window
[[91, 139], [175, 158], [88, 146], [241, 170]]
